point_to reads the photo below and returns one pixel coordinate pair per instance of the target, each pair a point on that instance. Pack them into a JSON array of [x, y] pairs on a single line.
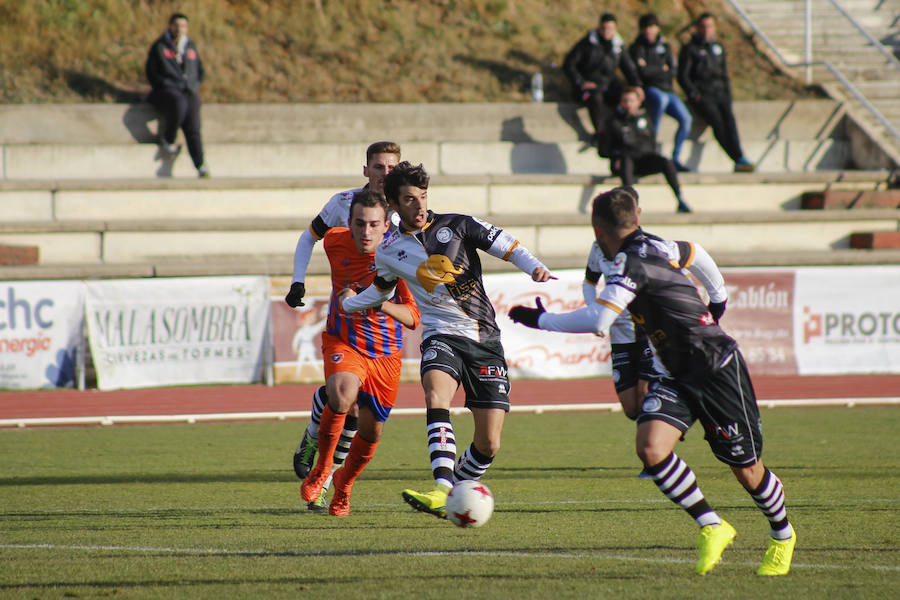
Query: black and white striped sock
[[441, 446], [472, 464], [320, 398], [677, 481], [343, 445], [769, 497]]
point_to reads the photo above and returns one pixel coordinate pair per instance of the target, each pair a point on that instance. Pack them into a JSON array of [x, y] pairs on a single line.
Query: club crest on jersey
[[443, 235], [437, 269], [618, 265], [430, 354], [337, 357]]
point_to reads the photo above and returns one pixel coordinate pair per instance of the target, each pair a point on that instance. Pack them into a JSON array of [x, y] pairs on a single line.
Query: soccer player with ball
[[437, 256], [706, 379]]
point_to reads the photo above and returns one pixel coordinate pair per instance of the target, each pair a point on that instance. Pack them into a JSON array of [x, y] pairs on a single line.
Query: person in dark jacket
[[633, 146], [655, 62], [703, 75], [175, 73], [591, 68]]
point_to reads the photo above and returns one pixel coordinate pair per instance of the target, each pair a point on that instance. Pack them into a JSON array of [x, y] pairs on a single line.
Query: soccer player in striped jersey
[[437, 256], [706, 377], [362, 352], [381, 157]]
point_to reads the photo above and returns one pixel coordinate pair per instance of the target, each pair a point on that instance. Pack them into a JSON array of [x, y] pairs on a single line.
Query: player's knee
[[489, 447], [650, 453]]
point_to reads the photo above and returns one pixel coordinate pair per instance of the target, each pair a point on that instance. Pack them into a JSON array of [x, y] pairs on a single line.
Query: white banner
[[156, 332], [535, 354], [847, 320], [41, 326]]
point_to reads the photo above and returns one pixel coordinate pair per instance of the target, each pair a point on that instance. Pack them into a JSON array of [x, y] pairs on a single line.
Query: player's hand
[[541, 274], [717, 309], [295, 296], [526, 315]]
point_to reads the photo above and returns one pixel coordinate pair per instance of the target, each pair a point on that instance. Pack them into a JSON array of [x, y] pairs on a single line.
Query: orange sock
[[330, 427], [361, 452]]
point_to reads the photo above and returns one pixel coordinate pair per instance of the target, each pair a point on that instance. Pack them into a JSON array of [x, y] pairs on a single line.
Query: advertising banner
[[41, 326], [847, 320], [156, 332], [535, 354]]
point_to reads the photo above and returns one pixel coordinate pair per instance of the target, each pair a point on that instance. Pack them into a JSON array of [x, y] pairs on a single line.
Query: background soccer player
[[381, 157], [707, 376], [437, 256], [362, 352]]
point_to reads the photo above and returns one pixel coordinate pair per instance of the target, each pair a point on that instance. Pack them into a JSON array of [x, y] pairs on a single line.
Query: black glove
[[295, 296], [717, 309], [526, 315]]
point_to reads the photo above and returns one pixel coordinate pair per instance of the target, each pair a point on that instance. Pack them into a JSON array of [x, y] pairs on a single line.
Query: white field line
[[255, 553], [304, 414]]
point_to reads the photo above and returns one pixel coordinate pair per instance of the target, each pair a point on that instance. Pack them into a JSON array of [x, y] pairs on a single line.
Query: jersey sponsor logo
[[493, 233], [618, 265], [443, 235], [390, 239], [402, 255], [337, 357], [435, 270], [624, 281], [430, 354]]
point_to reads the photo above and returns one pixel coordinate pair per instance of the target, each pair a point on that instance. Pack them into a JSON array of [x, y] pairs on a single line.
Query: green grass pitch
[[213, 511]]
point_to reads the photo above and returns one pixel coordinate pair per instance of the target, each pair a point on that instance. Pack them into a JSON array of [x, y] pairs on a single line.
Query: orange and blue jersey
[[371, 332]]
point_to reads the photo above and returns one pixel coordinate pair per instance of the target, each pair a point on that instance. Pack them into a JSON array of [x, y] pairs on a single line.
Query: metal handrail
[[878, 45], [831, 68]]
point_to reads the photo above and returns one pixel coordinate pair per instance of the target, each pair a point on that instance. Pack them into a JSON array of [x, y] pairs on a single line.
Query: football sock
[[329, 433], [320, 399], [441, 446], [769, 497], [472, 464], [343, 445], [361, 452], [676, 480]]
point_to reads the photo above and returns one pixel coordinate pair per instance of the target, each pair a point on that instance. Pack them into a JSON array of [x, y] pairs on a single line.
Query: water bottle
[[537, 87]]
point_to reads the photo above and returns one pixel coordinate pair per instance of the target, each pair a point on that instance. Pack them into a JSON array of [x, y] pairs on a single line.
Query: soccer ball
[[470, 504]]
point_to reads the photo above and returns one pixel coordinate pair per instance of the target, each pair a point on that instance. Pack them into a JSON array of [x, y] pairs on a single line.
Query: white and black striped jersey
[[441, 266], [648, 278]]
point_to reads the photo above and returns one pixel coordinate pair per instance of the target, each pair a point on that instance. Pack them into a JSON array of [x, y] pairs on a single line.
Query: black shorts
[[631, 362], [479, 367], [725, 405]]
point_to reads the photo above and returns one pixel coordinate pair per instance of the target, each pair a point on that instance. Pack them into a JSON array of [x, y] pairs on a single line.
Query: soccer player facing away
[[633, 362], [707, 378], [362, 352], [381, 157], [437, 256]]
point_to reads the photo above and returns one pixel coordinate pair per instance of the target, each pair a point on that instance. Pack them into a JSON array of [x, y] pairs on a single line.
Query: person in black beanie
[[175, 73]]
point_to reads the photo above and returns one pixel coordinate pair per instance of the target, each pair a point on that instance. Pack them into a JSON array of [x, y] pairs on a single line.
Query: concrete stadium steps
[[94, 142], [548, 235]]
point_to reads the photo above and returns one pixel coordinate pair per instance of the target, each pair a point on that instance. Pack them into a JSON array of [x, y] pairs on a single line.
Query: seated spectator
[[655, 63], [591, 68], [633, 146], [175, 73], [703, 75]]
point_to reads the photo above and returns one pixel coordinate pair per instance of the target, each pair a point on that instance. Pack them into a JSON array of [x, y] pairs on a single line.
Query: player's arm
[[593, 318], [698, 261], [499, 243], [592, 275], [302, 254], [403, 306]]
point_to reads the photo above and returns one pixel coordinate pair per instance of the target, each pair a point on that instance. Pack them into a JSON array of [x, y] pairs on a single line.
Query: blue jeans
[[658, 103]]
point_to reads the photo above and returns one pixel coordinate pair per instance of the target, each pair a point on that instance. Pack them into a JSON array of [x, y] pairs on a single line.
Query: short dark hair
[[176, 16], [607, 18], [616, 209], [706, 15], [648, 20], [382, 148], [405, 174], [632, 89], [368, 198]]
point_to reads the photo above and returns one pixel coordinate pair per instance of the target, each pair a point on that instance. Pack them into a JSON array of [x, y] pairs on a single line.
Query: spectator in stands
[[655, 62], [175, 73], [591, 67], [703, 76], [633, 146]]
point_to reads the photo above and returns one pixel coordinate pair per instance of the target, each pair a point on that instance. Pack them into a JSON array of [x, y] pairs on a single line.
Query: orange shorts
[[380, 377]]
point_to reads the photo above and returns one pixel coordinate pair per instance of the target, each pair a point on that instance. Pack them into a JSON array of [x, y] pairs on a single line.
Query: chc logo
[[13, 309]]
